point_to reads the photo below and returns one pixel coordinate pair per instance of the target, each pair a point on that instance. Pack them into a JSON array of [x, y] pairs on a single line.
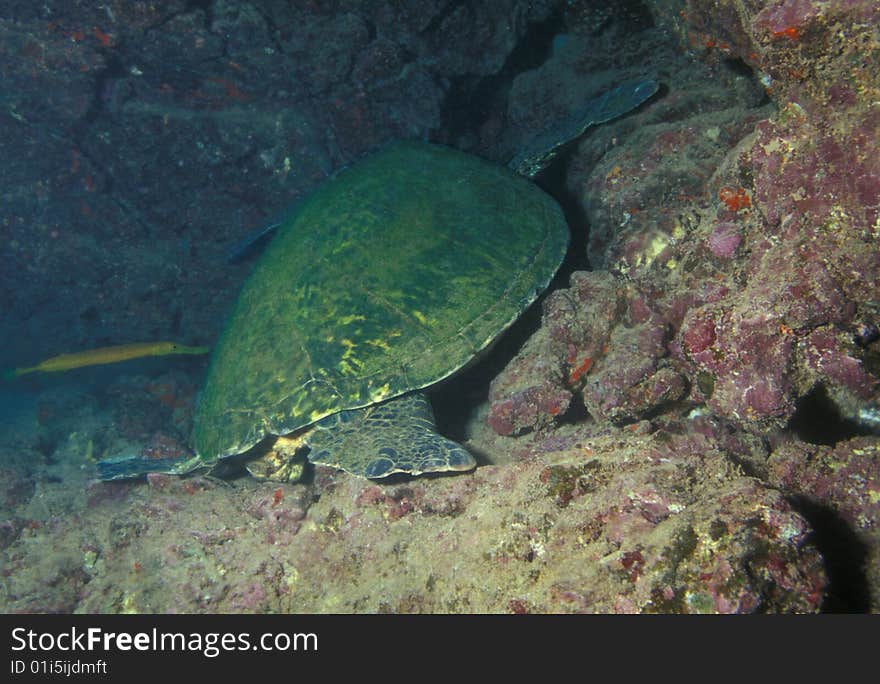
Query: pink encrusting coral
[[784, 17], [725, 239]]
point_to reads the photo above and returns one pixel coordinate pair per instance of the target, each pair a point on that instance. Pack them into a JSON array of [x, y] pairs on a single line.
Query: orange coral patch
[[735, 199]]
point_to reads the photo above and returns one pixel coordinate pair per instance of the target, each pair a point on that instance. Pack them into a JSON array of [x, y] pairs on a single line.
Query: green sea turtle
[[393, 275]]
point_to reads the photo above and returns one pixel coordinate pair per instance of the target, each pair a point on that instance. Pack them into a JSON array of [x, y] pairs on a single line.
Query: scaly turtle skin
[[392, 276]]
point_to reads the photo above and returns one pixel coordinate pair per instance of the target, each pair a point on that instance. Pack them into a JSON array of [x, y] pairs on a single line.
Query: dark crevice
[[817, 420], [738, 67], [372, 30], [845, 557], [456, 398], [473, 99], [470, 101], [79, 130], [552, 181], [575, 413]]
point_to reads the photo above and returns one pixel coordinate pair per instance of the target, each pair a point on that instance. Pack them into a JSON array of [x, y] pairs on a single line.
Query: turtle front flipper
[[542, 149], [398, 436]]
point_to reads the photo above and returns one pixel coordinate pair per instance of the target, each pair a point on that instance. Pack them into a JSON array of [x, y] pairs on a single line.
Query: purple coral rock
[[827, 356], [698, 334], [584, 314], [528, 409], [758, 387], [629, 382], [725, 239], [750, 358], [846, 477], [785, 15]]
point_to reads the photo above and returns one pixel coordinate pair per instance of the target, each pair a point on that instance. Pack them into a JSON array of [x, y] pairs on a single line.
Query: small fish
[[104, 355]]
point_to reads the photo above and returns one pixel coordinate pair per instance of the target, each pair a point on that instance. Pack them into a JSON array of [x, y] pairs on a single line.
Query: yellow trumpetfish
[[104, 355]]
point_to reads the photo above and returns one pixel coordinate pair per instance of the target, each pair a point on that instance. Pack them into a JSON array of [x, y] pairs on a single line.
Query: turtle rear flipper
[[398, 436], [125, 467]]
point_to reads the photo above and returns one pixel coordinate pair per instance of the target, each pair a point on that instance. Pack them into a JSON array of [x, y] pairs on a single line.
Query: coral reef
[[664, 523], [738, 242]]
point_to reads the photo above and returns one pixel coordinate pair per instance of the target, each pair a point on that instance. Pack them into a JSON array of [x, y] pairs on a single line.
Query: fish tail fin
[[127, 467]]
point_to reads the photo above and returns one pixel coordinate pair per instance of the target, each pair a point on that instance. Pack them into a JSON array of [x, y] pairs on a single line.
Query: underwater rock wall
[[736, 248], [142, 140]]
